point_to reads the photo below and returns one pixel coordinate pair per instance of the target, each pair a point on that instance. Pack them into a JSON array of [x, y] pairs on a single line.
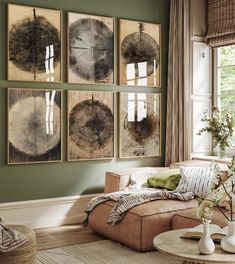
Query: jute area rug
[[101, 252]]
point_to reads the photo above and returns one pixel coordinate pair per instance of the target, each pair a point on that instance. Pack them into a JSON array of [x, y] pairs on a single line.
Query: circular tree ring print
[[140, 53], [29, 41], [91, 125], [140, 47], [91, 49], [28, 131]]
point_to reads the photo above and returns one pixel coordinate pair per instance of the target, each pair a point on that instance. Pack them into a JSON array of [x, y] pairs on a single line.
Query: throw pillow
[[167, 179], [139, 178], [198, 180]]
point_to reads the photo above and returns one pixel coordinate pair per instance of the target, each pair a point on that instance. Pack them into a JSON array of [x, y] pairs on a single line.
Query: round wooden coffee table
[[186, 249]]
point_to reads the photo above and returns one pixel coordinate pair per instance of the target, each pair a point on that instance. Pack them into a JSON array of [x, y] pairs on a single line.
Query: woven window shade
[[221, 23]]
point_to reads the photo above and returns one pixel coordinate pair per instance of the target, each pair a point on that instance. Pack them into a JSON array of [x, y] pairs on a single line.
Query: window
[[225, 81]]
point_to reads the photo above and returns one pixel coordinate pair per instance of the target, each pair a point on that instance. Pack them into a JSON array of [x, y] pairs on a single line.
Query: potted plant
[[221, 129]]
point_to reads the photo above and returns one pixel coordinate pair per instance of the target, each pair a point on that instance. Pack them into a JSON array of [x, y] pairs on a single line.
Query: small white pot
[[206, 245], [228, 242]]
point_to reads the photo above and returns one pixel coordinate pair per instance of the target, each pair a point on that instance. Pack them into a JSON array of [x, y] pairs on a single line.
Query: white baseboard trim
[[46, 212]]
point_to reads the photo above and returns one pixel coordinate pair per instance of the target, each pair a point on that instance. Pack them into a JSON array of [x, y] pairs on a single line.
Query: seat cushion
[[188, 219], [140, 224]]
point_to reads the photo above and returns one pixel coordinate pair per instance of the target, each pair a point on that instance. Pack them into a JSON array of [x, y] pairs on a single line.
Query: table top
[[186, 249]]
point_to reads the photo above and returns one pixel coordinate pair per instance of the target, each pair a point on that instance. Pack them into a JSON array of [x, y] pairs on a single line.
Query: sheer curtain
[[178, 86]]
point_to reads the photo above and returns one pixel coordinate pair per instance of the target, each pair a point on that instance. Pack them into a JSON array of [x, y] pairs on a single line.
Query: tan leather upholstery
[[140, 224], [143, 222], [119, 179], [189, 219]]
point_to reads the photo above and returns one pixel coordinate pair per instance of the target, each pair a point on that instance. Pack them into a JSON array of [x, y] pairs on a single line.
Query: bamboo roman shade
[[221, 23]]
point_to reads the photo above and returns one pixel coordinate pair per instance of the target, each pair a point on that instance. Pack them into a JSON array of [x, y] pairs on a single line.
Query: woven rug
[[101, 252]]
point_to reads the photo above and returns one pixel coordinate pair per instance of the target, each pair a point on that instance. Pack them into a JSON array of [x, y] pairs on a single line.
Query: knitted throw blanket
[[127, 199], [9, 238]]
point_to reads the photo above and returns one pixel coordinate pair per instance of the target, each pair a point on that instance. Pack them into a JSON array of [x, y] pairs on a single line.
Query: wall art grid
[[34, 54]]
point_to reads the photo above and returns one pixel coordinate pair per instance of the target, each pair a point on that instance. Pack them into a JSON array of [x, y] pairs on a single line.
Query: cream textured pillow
[[198, 180]]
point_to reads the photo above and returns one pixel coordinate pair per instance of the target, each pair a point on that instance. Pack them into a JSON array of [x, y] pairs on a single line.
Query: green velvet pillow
[[168, 179]]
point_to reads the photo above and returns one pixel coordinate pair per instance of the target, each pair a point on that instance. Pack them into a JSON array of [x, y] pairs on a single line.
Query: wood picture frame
[[139, 125], [90, 125], [139, 53], [90, 49], [34, 125], [34, 44]]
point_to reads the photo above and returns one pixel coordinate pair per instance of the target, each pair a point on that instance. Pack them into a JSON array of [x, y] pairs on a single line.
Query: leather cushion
[[140, 224]]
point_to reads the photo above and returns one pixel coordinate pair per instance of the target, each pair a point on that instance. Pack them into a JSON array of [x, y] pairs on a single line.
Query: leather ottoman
[[140, 224], [189, 219]]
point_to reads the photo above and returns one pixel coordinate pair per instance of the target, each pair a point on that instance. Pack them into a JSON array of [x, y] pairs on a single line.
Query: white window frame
[[229, 151]]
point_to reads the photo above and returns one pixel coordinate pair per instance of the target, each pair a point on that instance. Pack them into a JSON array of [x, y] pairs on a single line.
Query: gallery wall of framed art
[[54, 173], [34, 54]]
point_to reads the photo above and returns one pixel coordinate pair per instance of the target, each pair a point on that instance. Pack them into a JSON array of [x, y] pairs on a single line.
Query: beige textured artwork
[[90, 49], [139, 125], [90, 125], [34, 44], [140, 54], [34, 125]]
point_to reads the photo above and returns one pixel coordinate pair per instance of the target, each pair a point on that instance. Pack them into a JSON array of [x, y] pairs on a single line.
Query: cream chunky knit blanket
[[125, 200]]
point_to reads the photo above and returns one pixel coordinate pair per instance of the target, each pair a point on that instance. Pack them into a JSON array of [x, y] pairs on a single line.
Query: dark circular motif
[[140, 47], [91, 124], [91, 49], [142, 131], [28, 41]]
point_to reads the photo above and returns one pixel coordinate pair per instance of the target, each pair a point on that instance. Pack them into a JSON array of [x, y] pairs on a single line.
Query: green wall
[[36, 181]]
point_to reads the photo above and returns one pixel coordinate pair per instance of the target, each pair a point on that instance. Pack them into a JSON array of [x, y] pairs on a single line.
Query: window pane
[[227, 105], [226, 56], [226, 80]]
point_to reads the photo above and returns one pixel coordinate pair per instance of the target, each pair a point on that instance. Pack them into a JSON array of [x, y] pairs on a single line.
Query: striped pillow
[[198, 180]]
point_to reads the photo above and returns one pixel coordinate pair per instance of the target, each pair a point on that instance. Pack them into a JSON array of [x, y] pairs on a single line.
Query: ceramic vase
[[206, 245], [228, 242]]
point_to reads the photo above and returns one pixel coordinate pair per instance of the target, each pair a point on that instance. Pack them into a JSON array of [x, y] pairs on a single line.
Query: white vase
[[228, 242], [206, 245]]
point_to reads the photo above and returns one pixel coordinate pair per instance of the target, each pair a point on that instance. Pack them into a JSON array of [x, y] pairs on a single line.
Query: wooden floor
[[62, 236]]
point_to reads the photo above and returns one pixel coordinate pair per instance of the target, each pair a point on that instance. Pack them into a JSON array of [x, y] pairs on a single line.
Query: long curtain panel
[[178, 85]]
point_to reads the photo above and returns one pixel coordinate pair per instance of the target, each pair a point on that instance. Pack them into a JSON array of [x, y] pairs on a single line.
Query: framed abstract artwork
[[139, 53], [34, 44], [139, 125], [90, 49], [90, 125], [34, 125]]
